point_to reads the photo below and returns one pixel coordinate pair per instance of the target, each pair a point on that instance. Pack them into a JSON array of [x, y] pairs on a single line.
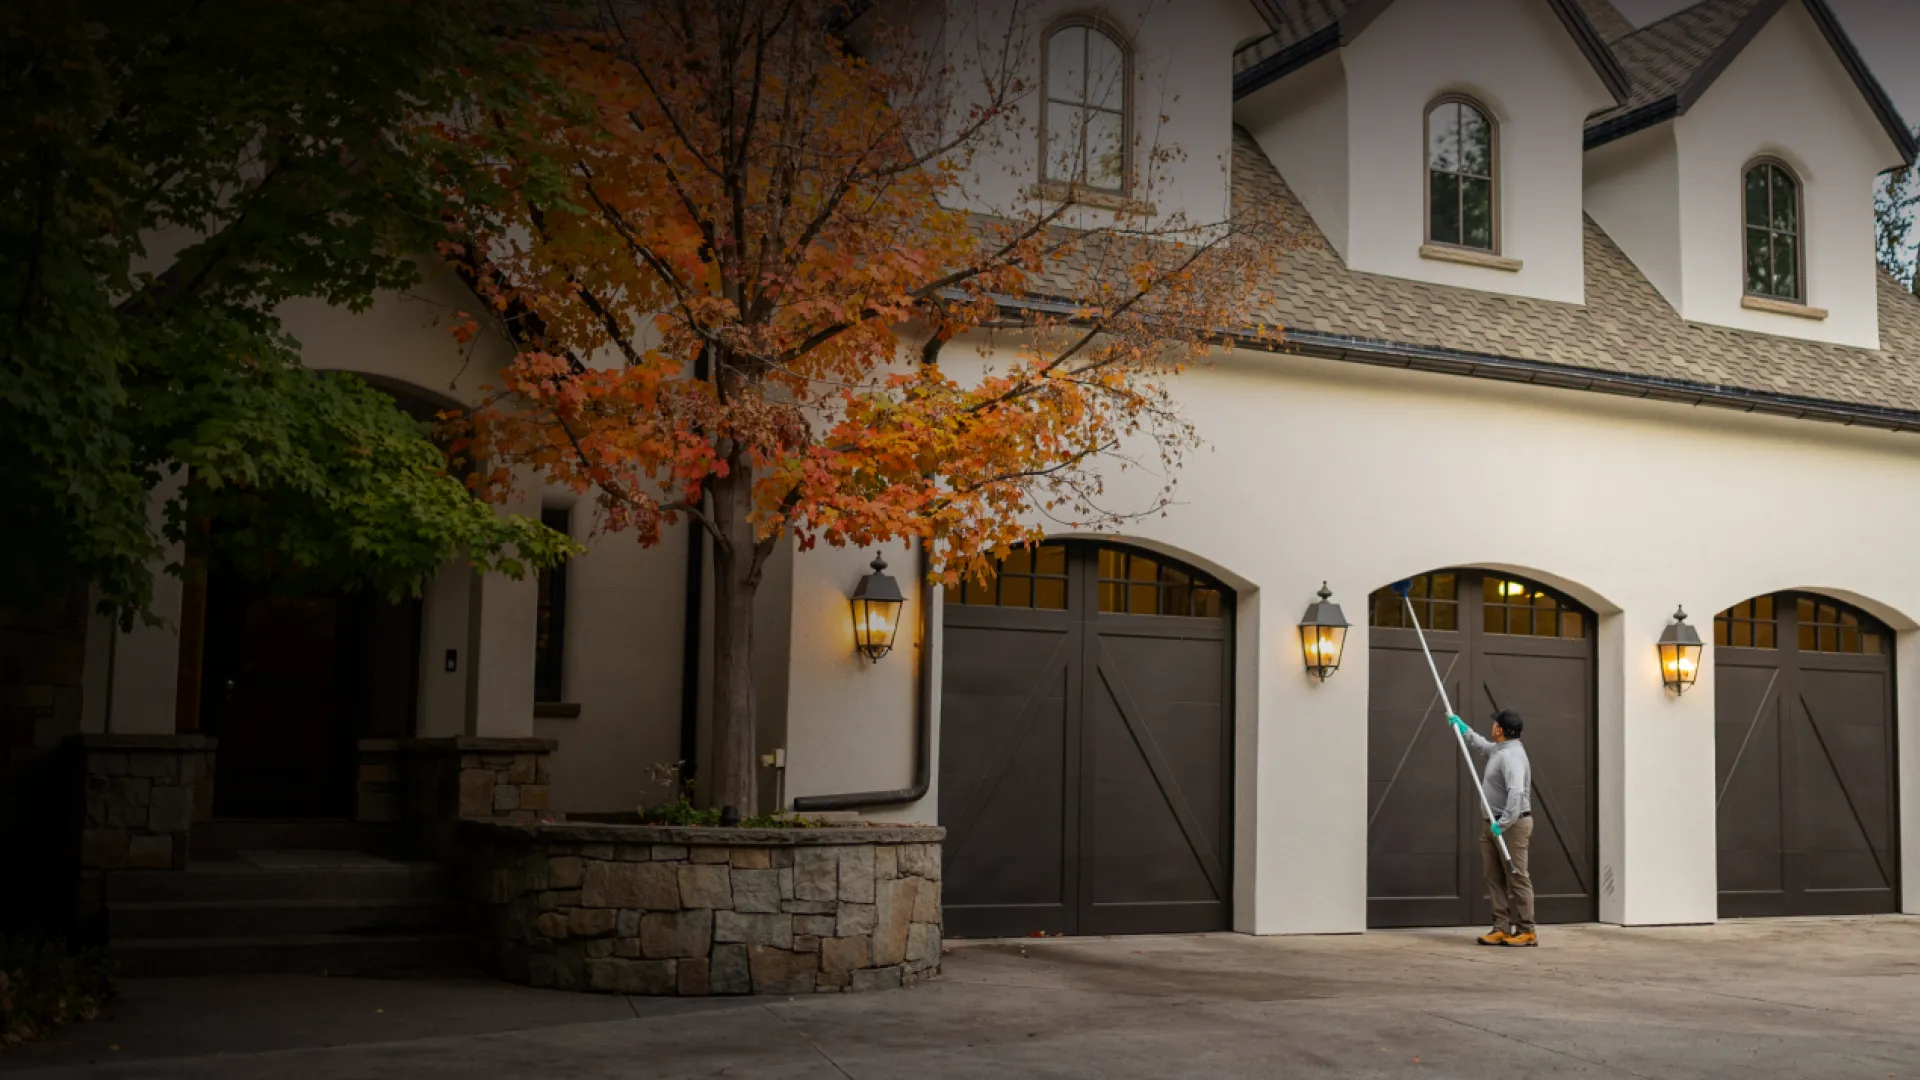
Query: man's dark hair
[[1509, 722]]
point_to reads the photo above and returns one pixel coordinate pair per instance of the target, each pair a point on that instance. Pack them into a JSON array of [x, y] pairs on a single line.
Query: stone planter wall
[[430, 784], [139, 797], [640, 909]]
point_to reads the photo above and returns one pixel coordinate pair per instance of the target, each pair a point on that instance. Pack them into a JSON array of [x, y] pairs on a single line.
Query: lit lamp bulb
[[1323, 634]]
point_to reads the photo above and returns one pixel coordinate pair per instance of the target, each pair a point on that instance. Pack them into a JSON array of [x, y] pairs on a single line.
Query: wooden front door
[[1804, 747], [1499, 643], [1086, 747], [290, 682]]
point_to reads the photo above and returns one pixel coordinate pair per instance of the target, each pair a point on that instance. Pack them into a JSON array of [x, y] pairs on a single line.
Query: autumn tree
[[172, 174], [733, 259]]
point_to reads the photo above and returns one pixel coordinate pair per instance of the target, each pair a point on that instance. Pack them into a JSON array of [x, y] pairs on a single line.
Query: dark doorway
[[1086, 746], [1500, 643], [291, 682], [1803, 739]]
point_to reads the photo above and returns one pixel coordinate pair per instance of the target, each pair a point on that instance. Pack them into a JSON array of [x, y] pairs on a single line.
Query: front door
[[290, 682], [1499, 643], [1086, 742]]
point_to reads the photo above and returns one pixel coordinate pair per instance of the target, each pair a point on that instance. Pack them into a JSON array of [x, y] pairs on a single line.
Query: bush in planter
[[45, 983]]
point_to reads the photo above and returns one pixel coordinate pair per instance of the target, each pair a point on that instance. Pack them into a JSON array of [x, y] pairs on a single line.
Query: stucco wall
[[1633, 192], [1788, 96], [1301, 124], [1514, 57], [1435, 471]]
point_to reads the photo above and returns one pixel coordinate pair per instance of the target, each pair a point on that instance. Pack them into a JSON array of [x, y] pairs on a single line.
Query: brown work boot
[[1494, 937], [1524, 940]]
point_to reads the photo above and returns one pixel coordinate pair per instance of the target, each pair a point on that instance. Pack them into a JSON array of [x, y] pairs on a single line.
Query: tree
[[1894, 204], [730, 261], [172, 174]]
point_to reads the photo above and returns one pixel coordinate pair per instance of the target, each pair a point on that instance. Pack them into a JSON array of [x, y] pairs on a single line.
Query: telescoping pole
[[1403, 588]]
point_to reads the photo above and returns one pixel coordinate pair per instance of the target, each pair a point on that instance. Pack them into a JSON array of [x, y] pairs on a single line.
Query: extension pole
[[1465, 754]]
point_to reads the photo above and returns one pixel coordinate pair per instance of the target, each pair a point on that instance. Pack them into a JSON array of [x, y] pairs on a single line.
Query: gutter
[[922, 725]]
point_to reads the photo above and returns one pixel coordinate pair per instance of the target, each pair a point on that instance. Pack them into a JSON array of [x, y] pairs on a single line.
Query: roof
[[1672, 63], [1606, 19], [1625, 338], [1305, 30]]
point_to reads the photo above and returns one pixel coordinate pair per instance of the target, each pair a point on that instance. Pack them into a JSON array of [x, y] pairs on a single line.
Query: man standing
[[1509, 790]]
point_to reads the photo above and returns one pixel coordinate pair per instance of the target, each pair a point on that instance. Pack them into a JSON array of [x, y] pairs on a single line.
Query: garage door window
[[1029, 577], [1515, 607], [1749, 624], [1831, 628], [1436, 601], [1135, 584]]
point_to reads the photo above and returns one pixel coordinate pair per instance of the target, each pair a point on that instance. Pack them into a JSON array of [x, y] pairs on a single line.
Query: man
[[1509, 788]]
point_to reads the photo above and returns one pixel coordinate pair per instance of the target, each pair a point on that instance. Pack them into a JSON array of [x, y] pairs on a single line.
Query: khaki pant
[[1512, 893]]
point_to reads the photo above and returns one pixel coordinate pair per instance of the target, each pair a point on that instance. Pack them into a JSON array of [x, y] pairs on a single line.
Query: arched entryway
[[1500, 642], [1086, 742], [1804, 744], [288, 677]]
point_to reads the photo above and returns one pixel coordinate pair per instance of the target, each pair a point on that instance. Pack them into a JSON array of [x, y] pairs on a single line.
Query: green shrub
[[45, 983]]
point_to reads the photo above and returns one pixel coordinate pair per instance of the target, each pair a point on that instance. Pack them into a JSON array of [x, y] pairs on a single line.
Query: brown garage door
[[1803, 717], [1086, 743], [1500, 643]]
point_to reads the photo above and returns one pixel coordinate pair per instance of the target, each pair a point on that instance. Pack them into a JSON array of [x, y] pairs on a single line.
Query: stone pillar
[[432, 784], [139, 796], [42, 653]]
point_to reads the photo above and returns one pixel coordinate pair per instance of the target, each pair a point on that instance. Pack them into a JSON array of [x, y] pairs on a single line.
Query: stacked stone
[[429, 784], [696, 918], [140, 795]]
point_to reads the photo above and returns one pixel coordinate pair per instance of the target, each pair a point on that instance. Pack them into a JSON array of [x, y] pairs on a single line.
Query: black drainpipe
[[922, 725], [690, 652]]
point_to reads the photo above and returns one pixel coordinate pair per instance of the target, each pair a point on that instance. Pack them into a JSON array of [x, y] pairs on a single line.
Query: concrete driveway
[[1799, 998]]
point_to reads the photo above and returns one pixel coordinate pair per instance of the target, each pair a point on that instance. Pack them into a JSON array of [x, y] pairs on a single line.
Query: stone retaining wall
[[694, 911], [139, 795]]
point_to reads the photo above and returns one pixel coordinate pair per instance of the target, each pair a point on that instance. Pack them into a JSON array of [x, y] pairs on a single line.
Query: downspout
[[922, 725], [691, 616]]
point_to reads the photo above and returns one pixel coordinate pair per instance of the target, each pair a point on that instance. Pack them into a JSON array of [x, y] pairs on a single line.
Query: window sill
[[556, 710], [1782, 307], [1469, 257], [1057, 191]]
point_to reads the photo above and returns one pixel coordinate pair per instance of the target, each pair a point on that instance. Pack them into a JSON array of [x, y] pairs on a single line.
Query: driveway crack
[[808, 1039], [1537, 1046]]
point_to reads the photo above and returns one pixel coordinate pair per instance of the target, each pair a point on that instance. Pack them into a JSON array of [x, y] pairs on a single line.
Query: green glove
[[1495, 826], [1459, 725]]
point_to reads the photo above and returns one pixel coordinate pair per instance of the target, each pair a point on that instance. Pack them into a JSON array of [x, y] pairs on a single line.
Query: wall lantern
[[1680, 649], [1323, 634], [876, 612]]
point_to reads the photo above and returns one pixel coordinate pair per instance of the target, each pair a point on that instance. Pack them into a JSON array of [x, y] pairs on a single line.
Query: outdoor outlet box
[[453, 659]]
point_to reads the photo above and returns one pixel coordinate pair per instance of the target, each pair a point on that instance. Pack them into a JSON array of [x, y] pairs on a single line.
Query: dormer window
[[1773, 232], [1088, 94], [1461, 190]]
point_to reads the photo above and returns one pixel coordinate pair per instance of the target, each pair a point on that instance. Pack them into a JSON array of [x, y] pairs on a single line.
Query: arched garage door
[[1803, 719], [1086, 742], [1500, 643]]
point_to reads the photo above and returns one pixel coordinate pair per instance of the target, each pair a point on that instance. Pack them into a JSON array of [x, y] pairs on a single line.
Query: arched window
[[1461, 187], [1089, 96], [1773, 232]]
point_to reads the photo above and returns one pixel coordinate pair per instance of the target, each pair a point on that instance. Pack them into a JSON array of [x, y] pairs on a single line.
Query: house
[[1590, 331]]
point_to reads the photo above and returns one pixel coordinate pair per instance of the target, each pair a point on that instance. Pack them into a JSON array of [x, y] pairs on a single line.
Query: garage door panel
[[1805, 758], [1424, 859], [1085, 770]]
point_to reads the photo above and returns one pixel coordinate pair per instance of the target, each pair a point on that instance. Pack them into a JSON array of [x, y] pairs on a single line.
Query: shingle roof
[[1625, 328], [1662, 57], [1606, 19]]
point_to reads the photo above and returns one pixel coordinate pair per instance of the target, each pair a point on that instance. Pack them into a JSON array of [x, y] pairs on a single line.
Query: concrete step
[[278, 918], [297, 954], [222, 839], [226, 881]]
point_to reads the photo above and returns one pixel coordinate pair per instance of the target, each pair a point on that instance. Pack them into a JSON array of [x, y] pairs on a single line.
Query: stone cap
[[189, 742], [690, 835], [459, 744]]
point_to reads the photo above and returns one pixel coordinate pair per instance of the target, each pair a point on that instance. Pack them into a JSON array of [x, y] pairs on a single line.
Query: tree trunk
[[736, 577]]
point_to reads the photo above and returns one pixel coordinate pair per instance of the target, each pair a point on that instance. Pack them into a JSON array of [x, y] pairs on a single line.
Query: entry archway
[[1500, 642], [1804, 755], [1086, 742]]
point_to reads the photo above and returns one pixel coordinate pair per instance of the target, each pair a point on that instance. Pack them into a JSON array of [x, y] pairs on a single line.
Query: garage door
[[1500, 643], [1085, 746], [1803, 717]]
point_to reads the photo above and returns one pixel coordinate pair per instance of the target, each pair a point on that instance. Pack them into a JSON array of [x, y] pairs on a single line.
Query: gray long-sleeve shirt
[[1509, 777]]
